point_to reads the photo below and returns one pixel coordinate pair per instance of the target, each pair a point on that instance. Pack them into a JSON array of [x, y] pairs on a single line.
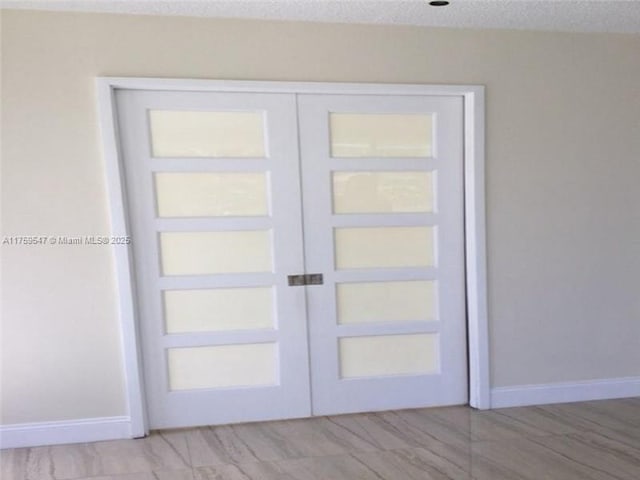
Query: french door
[[295, 254], [382, 189]]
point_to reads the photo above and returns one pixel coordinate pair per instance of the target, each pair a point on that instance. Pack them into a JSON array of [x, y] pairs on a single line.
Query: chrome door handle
[[314, 279], [306, 279], [296, 280]]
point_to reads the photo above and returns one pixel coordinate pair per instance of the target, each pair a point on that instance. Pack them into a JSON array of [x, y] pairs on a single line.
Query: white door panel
[[213, 187], [399, 162]]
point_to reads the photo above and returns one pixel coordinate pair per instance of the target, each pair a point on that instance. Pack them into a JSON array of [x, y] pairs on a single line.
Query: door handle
[[296, 280], [306, 279], [314, 279]]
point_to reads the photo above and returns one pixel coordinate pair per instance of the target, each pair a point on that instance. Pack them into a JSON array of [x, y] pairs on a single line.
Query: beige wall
[[563, 168]]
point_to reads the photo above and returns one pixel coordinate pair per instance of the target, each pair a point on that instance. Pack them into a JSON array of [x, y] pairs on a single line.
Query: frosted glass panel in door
[[218, 309], [385, 301], [383, 247], [207, 134], [223, 366], [382, 192], [380, 135], [211, 194], [415, 354], [201, 253]]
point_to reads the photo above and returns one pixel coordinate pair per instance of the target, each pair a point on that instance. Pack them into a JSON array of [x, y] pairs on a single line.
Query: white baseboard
[[523, 395], [70, 431], [113, 428]]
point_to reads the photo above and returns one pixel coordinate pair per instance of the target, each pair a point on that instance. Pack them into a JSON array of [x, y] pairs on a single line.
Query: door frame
[[474, 213]]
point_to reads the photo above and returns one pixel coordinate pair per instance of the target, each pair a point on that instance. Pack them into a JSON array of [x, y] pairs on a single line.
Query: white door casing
[[473, 103]]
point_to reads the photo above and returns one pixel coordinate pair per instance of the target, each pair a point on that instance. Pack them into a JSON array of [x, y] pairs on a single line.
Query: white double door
[[234, 197]]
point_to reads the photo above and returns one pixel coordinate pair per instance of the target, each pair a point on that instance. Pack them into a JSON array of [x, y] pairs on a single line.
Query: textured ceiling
[[560, 15]]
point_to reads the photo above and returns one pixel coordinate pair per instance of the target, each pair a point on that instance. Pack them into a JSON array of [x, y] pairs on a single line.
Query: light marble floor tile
[[26, 464], [422, 429], [315, 468], [238, 444], [525, 421], [597, 415], [163, 475], [597, 452], [157, 452], [160, 451], [629, 436], [418, 463], [371, 428], [495, 425], [247, 471], [269, 441], [623, 410], [537, 461], [409, 464], [484, 469], [323, 436]]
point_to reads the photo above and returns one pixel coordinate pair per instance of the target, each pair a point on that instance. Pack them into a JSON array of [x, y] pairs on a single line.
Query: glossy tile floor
[[581, 441]]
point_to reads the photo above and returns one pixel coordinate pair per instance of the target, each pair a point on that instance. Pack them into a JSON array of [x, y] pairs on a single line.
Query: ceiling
[[556, 15]]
